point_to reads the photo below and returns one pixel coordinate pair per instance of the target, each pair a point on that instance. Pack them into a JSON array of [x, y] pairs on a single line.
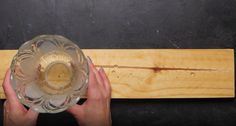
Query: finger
[[100, 74], [93, 68], [110, 120], [5, 112], [105, 81], [9, 92], [76, 111], [92, 77]]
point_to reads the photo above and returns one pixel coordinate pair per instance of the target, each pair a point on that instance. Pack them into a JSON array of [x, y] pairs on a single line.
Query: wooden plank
[[160, 73]]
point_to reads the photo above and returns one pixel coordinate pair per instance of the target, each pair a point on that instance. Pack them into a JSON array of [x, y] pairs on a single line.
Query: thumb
[[76, 111], [32, 115]]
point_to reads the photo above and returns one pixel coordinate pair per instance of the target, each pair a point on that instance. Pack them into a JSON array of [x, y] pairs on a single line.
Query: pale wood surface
[[160, 73]]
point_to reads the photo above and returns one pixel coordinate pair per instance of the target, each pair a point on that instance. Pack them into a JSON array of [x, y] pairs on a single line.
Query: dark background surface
[[131, 24]]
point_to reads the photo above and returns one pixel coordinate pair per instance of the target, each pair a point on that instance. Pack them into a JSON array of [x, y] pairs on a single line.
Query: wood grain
[[160, 73]]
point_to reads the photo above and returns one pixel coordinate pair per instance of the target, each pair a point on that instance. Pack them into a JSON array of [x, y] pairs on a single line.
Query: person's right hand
[[96, 110]]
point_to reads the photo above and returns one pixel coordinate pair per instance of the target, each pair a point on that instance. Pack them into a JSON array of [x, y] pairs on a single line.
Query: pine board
[[160, 73]]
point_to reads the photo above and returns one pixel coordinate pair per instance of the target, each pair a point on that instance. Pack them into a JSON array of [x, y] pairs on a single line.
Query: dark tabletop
[[131, 24]]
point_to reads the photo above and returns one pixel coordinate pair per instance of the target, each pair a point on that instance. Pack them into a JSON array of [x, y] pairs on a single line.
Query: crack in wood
[[155, 69]]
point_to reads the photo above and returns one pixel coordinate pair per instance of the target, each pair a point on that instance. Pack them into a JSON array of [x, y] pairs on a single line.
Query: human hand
[[96, 110], [15, 114]]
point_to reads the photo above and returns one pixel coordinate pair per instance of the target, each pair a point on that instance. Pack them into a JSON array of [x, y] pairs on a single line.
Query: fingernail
[[5, 103], [102, 70], [89, 59]]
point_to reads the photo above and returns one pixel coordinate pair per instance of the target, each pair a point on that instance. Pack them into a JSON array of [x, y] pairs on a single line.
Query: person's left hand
[[15, 114]]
